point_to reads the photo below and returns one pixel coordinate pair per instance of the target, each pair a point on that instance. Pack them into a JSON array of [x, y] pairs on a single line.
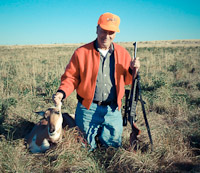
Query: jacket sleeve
[[71, 78], [128, 72]]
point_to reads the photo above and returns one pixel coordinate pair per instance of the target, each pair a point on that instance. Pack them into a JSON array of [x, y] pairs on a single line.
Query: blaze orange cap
[[109, 21]]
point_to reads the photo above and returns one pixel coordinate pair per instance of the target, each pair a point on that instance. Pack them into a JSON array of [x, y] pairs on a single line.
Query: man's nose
[[107, 35]]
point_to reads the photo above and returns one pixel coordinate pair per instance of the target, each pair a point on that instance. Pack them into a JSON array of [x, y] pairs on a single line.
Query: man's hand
[[135, 63], [57, 98]]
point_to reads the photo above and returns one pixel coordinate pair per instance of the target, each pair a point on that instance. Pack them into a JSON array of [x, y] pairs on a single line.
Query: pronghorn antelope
[[49, 130]]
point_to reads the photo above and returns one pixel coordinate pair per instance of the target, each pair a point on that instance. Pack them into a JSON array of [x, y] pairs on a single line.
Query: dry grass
[[170, 76]]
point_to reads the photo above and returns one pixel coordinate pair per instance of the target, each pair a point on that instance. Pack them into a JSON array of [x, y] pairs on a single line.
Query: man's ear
[[97, 29]]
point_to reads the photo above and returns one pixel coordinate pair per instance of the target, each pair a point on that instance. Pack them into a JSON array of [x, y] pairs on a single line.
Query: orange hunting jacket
[[81, 73]]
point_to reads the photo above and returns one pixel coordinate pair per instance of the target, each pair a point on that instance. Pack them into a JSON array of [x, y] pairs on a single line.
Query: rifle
[[131, 98]]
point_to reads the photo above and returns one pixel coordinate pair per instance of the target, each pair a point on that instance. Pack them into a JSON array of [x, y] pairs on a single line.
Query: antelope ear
[[41, 113], [47, 113]]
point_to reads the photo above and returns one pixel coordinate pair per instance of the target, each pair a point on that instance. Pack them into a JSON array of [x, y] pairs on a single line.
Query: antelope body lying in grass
[[49, 130]]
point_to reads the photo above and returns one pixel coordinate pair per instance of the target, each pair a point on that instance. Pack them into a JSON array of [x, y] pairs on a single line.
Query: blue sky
[[74, 21]]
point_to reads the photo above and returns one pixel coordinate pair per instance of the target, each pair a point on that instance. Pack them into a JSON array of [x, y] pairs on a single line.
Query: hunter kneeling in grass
[[98, 71]]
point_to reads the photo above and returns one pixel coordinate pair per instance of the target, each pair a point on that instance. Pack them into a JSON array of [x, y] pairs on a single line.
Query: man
[[98, 71]]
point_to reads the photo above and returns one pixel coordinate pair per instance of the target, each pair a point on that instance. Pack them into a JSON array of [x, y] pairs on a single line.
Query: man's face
[[104, 38]]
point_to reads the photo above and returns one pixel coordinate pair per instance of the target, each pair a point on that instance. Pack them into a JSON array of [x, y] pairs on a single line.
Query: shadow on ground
[[17, 130]]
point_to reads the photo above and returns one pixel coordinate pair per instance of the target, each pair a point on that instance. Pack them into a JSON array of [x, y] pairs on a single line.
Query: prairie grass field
[[170, 83]]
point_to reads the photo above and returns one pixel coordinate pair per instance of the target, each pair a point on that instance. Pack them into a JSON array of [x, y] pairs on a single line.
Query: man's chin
[[105, 44]]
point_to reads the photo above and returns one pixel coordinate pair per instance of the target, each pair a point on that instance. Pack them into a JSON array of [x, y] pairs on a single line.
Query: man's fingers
[[57, 98], [135, 63]]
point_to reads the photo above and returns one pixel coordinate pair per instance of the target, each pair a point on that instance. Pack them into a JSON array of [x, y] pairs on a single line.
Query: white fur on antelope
[[49, 130]]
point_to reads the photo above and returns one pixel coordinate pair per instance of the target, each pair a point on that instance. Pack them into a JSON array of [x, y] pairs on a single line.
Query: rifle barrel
[[135, 49]]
